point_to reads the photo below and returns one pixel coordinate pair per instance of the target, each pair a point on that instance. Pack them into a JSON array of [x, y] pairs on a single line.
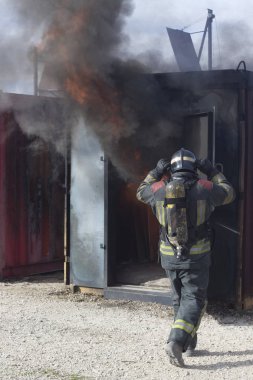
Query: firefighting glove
[[162, 167], [206, 167]]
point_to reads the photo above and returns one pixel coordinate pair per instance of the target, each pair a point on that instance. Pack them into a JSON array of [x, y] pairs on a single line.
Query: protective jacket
[[202, 196]]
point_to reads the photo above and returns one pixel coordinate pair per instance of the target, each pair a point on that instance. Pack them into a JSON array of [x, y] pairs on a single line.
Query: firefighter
[[183, 202]]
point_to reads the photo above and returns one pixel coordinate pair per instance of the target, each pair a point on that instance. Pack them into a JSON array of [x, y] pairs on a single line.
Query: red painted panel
[[31, 203], [2, 190]]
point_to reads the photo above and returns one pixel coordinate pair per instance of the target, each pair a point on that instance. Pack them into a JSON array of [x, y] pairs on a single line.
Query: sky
[[232, 23], [146, 30]]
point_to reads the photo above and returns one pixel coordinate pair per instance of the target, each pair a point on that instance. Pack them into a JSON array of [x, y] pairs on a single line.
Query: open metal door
[[86, 210], [209, 139], [199, 134]]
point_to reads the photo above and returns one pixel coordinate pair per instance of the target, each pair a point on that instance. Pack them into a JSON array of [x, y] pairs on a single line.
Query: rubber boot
[[174, 351], [191, 348]]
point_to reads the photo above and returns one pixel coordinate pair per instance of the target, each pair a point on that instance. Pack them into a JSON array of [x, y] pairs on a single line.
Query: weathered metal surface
[[184, 51], [224, 220], [247, 244], [203, 93], [87, 250], [31, 201], [138, 293], [2, 190], [232, 260]]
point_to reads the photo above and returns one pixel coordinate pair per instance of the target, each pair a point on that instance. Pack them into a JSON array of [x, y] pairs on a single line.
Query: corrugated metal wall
[[31, 203]]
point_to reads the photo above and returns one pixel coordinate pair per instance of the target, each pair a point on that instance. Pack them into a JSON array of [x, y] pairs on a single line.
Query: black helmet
[[183, 160]]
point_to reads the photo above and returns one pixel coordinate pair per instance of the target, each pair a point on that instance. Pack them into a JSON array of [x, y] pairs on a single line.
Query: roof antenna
[[208, 28]]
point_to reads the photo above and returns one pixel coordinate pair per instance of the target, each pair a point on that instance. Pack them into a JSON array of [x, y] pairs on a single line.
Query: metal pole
[[214, 135], [35, 72], [210, 18], [208, 27], [203, 40]]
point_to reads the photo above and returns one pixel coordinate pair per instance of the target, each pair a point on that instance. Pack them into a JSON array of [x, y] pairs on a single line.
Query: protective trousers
[[189, 302]]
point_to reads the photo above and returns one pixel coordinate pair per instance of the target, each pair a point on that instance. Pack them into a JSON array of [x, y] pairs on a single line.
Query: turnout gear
[[206, 167], [162, 167], [183, 205], [183, 160], [191, 348], [202, 198], [174, 351], [189, 303]]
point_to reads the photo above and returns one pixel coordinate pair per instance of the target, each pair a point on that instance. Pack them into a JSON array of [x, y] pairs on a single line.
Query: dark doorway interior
[[133, 229], [134, 234]]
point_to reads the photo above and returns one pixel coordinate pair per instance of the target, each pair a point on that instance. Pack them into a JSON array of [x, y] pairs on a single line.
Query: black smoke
[[82, 46], [118, 97]]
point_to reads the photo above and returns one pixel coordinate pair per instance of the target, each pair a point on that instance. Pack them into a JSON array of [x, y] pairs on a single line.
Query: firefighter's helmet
[[183, 160]]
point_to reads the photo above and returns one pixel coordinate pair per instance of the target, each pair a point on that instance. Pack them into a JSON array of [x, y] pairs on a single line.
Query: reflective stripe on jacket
[[202, 246], [204, 196]]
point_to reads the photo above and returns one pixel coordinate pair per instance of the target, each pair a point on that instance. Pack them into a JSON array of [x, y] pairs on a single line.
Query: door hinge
[[102, 246]]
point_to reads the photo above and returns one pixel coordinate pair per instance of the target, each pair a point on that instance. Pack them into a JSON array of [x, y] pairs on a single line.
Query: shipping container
[[113, 238], [110, 240], [32, 179]]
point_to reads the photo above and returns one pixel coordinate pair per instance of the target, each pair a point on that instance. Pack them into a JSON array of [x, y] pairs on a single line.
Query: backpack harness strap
[[195, 233]]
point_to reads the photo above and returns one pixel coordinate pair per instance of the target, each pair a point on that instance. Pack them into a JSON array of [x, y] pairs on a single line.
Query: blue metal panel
[[184, 51]]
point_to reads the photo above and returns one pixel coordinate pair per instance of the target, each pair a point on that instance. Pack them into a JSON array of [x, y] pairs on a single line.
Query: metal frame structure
[[208, 29]]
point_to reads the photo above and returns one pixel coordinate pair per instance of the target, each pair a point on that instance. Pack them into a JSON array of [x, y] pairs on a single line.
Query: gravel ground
[[47, 332]]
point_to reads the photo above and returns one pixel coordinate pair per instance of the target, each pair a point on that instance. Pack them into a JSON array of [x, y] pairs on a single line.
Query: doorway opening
[[133, 239], [133, 231]]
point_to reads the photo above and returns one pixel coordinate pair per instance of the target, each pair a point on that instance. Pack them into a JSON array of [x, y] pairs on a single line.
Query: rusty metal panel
[[31, 202], [2, 191]]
